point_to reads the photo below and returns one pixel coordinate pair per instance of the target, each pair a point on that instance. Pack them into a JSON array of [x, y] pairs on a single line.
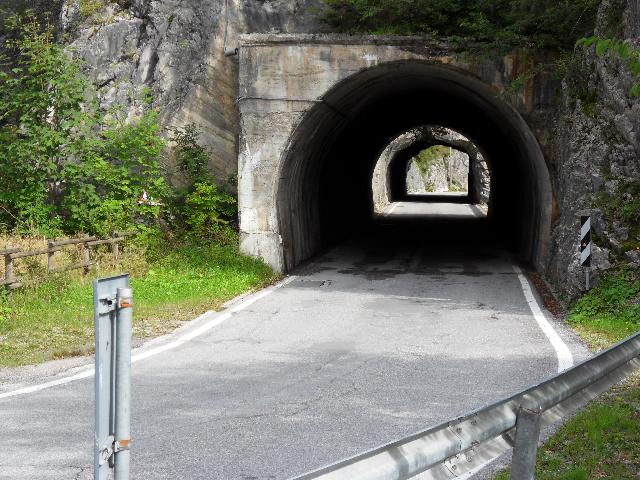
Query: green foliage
[[199, 207], [40, 95], [620, 48], [611, 310], [66, 167], [208, 211], [103, 193], [89, 8], [191, 157], [428, 157], [506, 23]]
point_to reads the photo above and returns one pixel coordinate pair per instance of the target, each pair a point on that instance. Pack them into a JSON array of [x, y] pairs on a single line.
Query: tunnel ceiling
[[325, 189]]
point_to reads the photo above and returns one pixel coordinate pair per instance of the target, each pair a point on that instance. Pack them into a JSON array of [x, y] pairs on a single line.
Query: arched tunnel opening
[[325, 183], [430, 164]]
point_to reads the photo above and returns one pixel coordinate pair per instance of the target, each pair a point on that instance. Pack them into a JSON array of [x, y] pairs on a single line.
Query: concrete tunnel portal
[[325, 179]]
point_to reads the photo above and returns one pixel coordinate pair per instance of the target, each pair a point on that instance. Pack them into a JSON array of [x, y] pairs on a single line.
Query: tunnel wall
[[291, 103]]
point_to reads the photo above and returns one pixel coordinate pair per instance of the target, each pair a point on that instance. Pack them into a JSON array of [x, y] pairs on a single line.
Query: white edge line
[[390, 211], [565, 358], [152, 352]]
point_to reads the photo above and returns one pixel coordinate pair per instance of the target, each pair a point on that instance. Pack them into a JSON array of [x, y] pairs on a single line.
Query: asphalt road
[[393, 331]]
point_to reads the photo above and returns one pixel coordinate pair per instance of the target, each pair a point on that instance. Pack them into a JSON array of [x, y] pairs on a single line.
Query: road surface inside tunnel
[[418, 319]]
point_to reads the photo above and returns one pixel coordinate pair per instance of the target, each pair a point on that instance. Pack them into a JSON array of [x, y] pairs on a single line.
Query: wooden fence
[[12, 254]]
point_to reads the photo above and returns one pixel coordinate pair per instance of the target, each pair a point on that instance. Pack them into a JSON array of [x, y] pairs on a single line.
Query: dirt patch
[[549, 300]]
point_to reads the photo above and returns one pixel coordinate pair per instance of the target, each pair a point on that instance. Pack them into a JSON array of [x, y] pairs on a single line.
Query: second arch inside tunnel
[[326, 186], [427, 164]]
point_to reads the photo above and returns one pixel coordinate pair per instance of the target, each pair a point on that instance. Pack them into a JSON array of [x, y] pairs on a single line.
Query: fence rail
[[11, 254], [464, 444]]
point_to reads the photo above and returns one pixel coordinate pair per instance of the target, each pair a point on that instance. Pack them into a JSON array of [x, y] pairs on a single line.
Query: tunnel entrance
[[327, 179]]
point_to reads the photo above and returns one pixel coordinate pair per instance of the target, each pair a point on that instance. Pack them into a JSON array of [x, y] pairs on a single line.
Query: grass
[[611, 311], [53, 318], [603, 440]]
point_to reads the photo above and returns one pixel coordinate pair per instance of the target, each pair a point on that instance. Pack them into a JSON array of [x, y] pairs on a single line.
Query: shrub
[[66, 166], [208, 212]]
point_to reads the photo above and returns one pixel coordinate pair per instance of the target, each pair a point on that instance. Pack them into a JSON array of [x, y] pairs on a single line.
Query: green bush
[[66, 166], [200, 207], [208, 212], [191, 157]]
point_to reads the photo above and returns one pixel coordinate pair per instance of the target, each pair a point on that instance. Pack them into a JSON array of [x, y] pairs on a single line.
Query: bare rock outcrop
[[598, 156], [170, 54]]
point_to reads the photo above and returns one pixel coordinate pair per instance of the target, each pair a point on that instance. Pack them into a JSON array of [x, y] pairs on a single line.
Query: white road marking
[[565, 358], [390, 210], [218, 319]]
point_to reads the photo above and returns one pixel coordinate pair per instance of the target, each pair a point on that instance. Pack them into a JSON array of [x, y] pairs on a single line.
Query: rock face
[[170, 54], [598, 156], [447, 174]]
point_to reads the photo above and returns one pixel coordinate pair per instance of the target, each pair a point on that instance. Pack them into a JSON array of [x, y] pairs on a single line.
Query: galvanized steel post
[[111, 302], [123, 384], [523, 465]]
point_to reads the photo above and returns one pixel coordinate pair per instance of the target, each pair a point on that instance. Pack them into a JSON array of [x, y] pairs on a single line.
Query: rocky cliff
[[448, 174], [598, 155], [170, 54]]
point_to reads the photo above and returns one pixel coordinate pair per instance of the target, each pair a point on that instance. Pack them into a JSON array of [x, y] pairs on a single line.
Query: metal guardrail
[[460, 446]]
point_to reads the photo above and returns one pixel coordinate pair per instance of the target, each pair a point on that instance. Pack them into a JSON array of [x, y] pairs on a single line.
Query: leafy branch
[[628, 54]]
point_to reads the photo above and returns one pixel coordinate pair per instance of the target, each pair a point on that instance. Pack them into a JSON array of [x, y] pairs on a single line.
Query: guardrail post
[[523, 464], [112, 301], [123, 384]]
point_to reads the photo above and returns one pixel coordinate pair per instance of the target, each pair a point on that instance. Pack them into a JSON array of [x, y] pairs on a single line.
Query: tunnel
[[324, 190]]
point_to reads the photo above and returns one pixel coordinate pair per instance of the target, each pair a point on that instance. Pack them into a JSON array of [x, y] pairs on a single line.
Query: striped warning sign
[[586, 244]]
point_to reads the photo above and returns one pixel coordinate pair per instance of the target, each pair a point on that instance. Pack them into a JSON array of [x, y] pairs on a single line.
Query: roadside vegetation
[[603, 440], [70, 167], [52, 318], [506, 23]]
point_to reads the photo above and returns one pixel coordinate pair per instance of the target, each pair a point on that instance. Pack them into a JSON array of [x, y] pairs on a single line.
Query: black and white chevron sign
[[586, 244]]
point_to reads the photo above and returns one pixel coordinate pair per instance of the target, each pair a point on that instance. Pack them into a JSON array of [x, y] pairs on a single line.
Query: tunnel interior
[[324, 193]]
